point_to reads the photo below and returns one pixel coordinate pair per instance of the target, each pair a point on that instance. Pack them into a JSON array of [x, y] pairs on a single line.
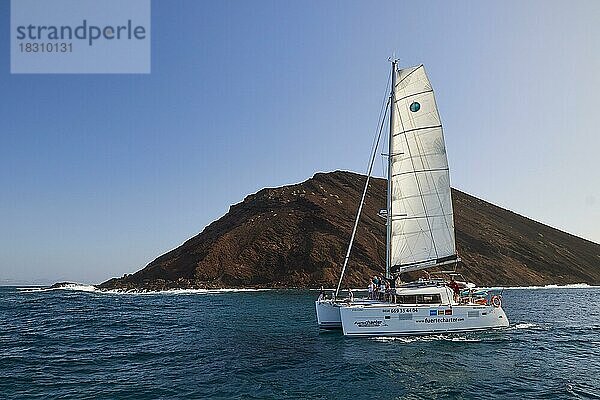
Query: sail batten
[[413, 94], [424, 234], [418, 129]]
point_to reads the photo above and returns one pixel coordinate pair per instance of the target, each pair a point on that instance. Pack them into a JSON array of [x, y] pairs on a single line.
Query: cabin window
[[407, 299], [429, 299], [421, 299]]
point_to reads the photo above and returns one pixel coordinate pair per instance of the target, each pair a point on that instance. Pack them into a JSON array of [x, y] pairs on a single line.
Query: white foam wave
[[71, 286], [185, 291], [341, 290], [569, 286], [525, 325], [427, 338], [90, 288], [33, 289]]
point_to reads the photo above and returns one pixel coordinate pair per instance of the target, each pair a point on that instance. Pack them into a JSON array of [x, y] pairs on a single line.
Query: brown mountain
[[297, 235]]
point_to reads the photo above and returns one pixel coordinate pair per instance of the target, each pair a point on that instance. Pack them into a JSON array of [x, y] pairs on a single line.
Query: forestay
[[421, 205]]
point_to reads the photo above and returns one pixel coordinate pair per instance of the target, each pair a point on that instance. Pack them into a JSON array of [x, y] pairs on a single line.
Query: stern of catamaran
[[328, 314]]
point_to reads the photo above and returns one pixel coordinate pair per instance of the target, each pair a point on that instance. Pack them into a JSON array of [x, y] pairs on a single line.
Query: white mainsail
[[422, 226]]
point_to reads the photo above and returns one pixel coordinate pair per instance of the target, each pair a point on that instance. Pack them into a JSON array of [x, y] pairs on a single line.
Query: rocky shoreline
[[159, 285]]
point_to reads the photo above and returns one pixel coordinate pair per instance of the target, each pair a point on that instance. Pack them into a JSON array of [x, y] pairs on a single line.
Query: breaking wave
[[78, 287], [569, 286]]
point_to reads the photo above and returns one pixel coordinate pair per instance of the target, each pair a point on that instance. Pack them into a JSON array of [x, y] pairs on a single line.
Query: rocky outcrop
[[297, 235]]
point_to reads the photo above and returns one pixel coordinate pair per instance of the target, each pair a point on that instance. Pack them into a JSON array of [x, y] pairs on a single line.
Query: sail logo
[[80, 36]]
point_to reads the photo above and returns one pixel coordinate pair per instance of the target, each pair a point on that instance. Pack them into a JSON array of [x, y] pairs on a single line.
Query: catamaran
[[419, 231]]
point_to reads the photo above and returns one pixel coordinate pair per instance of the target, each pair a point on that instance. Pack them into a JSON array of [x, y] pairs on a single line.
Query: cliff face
[[297, 235]]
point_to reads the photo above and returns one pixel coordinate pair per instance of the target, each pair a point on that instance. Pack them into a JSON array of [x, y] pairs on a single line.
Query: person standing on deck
[[455, 288], [375, 288], [391, 288], [388, 292]]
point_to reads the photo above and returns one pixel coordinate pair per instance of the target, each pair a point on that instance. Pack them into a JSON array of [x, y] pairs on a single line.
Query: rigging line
[[384, 106], [419, 187], [362, 202], [384, 162], [386, 102]]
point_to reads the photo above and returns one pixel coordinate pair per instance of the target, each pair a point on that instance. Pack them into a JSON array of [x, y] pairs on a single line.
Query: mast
[[388, 241]]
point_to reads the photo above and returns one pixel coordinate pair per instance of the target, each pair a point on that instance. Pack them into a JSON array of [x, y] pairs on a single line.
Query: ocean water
[[79, 344]]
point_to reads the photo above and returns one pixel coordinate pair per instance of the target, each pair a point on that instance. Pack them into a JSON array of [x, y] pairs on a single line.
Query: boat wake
[[526, 326], [456, 337], [427, 338]]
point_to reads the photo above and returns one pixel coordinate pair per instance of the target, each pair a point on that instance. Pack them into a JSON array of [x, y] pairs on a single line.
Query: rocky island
[[297, 235]]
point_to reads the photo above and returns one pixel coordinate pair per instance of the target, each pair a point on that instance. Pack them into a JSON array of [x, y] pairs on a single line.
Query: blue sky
[[100, 174]]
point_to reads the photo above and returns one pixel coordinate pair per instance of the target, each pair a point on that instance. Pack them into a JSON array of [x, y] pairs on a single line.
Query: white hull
[[401, 319], [328, 311], [328, 314]]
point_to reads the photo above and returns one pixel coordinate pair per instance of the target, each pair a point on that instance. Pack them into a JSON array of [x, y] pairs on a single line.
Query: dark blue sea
[[68, 344]]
